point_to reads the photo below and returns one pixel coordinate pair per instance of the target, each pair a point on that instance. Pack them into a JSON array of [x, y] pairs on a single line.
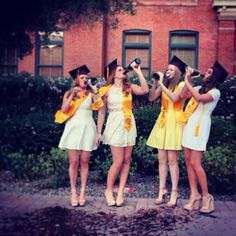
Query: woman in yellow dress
[[166, 134]]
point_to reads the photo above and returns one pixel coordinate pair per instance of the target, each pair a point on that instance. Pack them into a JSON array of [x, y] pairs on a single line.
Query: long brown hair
[[126, 82], [209, 84]]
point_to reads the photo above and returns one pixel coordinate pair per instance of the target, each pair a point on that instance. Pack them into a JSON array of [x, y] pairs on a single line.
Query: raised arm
[[67, 98], [185, 94], [174, 96], [155, 90], [143, 88]]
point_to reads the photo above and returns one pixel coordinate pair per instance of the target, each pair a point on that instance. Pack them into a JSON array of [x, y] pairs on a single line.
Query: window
[[8, 61], [184, 44], [137, 43], [49, 54]]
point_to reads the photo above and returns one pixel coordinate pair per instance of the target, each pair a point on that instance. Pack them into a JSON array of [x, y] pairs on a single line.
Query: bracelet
[[99, 132], [96, 93]]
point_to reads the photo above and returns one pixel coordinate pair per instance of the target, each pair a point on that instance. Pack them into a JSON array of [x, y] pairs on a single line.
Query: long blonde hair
[[126, 86], [176, 78]]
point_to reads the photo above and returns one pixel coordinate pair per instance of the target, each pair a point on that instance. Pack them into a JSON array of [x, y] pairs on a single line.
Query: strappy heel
[[173, 199], [109, 199], [82, 200], [74, 200], [210, 205], [119, 200], [193, 204], [161, 196]]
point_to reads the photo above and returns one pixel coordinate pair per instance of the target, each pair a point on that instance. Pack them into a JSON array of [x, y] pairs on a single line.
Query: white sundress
[[80, 129], [115, 134], [202, 114]]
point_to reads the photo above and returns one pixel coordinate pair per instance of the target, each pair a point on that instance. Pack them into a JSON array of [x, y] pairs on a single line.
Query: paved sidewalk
[[221, 222]]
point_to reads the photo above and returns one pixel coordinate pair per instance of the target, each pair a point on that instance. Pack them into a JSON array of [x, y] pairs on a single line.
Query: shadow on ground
[[62, 221]]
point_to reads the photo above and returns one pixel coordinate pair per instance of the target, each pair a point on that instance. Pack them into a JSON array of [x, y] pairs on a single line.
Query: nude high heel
[[109, 199], [173, 199], [210, 205], [82, 200], [161, 196], [193, 204], [119, 200], [74, 198]]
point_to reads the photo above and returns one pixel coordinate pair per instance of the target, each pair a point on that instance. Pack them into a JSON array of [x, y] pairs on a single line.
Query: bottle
[[134, 63], [156, 76]]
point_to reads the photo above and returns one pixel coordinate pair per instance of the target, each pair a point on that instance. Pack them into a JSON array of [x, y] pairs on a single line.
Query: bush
[[220, 166], [23, 94], [145, 158], [32, 133], [40, 166]]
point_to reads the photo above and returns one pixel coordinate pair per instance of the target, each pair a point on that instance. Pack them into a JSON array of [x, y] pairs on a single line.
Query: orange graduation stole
[[127, 110], [126, 106], [190, 108], [61, 117], [161, 121]]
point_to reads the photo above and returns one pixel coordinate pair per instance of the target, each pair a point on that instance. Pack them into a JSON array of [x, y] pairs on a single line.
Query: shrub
[[31, 133], [40, 166], [145, 158], [23, 94], [220, 166]]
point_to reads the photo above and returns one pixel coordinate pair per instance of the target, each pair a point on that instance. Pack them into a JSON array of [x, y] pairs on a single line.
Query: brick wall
[[96, 47]]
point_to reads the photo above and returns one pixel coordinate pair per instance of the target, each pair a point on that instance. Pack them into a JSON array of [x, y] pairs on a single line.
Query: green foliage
[[145, 157], [20, 18], [220, 166], [226, 106], [145, 118], [223, 132], [23, 94], [40, 166], [31, 133]]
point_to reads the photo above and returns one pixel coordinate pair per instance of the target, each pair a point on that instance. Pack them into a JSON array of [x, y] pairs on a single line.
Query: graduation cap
[[82, 70], [109, 68], [178, 63], [220, 72]]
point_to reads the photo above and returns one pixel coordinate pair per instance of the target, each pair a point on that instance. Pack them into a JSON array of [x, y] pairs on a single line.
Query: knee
[[188, 161], [74, 164], [173, 162], [84, 163], [126, 160], [117, 164], [162, 162]]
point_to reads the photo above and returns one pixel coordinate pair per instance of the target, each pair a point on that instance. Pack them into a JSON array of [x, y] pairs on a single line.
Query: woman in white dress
[[196, 132], [120, 131], [79, 135]]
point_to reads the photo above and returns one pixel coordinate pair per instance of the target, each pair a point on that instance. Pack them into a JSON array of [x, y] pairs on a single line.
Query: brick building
[[198, 31]]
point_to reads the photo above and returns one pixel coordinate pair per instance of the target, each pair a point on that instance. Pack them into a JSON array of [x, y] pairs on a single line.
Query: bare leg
[[84, 169], [162, 161], [124, 172], [73, 172], [196, 157], [117, 158], [192, 178], [174, 174]]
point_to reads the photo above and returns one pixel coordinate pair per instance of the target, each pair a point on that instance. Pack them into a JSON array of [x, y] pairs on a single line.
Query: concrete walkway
[[221, 222]]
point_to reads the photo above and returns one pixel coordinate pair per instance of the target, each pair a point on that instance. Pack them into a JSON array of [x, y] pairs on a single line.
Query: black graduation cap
[[178, 63], [109, 68], [220, 72], [82, 70]]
